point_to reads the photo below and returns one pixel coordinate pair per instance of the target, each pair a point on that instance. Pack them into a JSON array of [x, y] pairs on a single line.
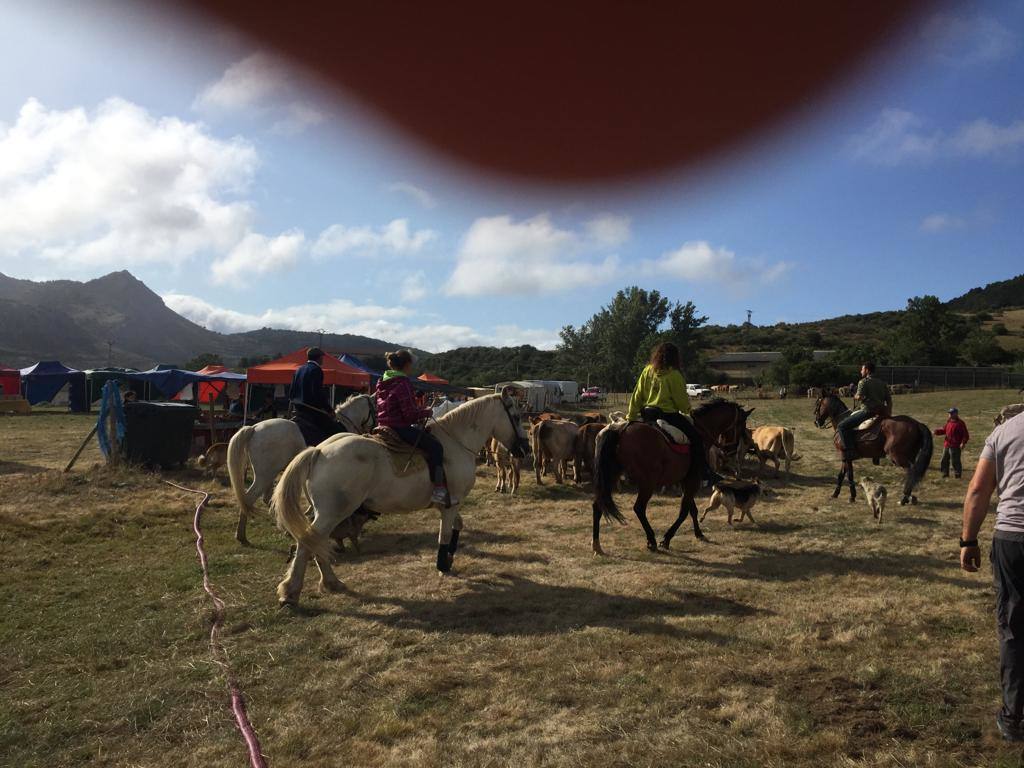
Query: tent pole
[[245, 406], [332, 396]]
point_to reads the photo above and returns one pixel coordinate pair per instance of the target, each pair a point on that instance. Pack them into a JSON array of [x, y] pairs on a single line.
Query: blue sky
[[232, 187]]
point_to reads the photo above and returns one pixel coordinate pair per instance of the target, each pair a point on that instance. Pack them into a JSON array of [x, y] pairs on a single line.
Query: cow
[[507, 467], [1007, 412], [615, 416], [555, 441], [771, 442], [586, 444]]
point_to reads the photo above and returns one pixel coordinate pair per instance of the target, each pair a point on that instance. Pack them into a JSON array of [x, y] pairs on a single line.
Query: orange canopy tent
[[432, 379], [281, 371], [210, 390]]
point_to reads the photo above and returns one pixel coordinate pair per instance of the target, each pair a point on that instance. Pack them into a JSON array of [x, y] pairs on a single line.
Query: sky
[[246, 197]]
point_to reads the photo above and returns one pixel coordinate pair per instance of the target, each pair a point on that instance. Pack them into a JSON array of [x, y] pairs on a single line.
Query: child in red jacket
[[397, 408], [956, 437]]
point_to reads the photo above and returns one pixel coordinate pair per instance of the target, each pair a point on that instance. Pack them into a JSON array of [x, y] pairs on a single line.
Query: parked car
[[591, 395], [698, 390]]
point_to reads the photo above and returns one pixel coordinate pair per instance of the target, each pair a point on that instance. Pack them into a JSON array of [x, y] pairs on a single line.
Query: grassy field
[[815, 639]]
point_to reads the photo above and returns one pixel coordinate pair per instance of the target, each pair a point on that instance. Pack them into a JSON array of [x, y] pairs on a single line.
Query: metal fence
[[950, 377]]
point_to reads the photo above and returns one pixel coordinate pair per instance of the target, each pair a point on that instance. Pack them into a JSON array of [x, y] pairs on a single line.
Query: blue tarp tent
[[41, 382], [355, 362], [170, 381]]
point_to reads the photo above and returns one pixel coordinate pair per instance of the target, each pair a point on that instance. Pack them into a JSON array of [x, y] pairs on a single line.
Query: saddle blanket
[[405, 460], [867, 424]]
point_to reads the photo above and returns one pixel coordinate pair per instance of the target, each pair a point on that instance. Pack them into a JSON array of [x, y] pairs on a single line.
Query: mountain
[[998, 295], [72, 322]]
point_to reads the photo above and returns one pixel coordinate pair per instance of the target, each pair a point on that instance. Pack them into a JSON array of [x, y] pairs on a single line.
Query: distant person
[[660, 393], [783, 392], [398, 409], [956, 437], [1001, 470], [875, 400], [312, 409]]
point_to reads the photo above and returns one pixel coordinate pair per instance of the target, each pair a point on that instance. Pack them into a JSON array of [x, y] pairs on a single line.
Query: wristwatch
[[968, 543]]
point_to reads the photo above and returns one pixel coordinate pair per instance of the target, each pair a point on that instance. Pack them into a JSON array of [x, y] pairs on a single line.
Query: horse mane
[[710, 405], [468, 411]]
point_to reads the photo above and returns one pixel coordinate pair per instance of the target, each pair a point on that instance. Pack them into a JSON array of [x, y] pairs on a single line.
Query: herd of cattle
[[559, 442]]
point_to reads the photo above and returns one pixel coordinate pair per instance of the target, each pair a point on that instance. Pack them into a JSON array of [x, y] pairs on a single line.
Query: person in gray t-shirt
[[1001, 469]]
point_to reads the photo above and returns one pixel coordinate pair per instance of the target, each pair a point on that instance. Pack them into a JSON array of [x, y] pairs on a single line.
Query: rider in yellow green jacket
[[660, 393]]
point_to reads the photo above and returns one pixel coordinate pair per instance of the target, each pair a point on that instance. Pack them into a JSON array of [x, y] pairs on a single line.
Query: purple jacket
[[396, 403]]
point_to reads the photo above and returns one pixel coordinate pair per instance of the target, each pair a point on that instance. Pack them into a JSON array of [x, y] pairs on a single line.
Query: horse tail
[[238, 460], [606, 472], [924, 453], [289, 498]]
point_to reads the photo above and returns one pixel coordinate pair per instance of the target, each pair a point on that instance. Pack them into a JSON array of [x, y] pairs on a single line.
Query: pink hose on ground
[[256, 759]]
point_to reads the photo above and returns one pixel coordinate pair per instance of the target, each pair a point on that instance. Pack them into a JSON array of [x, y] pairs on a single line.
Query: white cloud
[[257, 255], [898, 136], [983, 138], [499, 256], [609, 230], [394, 237], [968, 41], [420, 195], [119, 185], [395, 324], [414, 287], [264, 86], [941, 222], [699, 261]]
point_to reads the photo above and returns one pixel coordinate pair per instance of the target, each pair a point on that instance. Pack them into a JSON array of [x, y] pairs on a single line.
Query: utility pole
[[320, 343], [110, 347], [749, 313]]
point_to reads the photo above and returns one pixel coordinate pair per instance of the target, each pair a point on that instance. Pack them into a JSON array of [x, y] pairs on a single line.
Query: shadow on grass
[[765, 564], [20, 468], [512, 605]]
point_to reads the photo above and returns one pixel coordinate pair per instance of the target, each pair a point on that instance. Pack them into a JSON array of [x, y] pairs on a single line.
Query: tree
[[815, 373], [614, 344], [928, 334], [203, 360], [780, 372], [981, 348]]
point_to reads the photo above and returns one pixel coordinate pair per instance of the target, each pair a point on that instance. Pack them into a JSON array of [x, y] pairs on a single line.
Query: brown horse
[[906, 441], [643, 453]]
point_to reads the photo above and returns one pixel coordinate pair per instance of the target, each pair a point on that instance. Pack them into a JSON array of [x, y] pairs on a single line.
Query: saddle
[[405, 459], [677, 440]]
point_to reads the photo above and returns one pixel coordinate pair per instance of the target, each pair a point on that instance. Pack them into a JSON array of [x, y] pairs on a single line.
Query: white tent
[[553, 389], [534, 395]]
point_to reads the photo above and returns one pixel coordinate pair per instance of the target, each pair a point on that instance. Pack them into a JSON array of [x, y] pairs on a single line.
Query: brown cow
[[507, 467], [555, 441], [586, 444], [772, 443]]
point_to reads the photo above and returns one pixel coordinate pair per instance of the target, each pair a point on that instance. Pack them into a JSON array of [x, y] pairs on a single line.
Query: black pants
[[698, 455], [315, 426], [429, 444], [954, 454], [1008, 576]]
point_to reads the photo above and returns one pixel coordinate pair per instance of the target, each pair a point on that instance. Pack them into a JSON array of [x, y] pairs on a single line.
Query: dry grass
[[1013, 319], [815, 639]]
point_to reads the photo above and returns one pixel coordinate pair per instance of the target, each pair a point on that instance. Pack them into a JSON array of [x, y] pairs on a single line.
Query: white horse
[[271, 444], [351, 472]]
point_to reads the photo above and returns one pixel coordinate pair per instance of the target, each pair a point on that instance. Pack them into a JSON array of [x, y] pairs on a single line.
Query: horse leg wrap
[[454, 543], [444, 558]]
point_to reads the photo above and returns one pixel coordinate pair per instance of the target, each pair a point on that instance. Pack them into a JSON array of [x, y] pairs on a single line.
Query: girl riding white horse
[[271, 444], [348, 472]]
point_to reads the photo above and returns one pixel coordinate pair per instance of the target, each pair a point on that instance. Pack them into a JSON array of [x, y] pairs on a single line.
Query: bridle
[[368, 424], [832, 412], [517, 445]]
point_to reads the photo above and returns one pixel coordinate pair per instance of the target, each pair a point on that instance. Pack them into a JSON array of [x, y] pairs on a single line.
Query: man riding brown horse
[[905, 441]]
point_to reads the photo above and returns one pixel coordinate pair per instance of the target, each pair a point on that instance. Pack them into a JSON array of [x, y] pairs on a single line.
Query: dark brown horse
[[906, 441], [641, 451]]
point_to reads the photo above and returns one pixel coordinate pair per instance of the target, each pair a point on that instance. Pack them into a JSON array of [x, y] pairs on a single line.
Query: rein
[[360, 429]]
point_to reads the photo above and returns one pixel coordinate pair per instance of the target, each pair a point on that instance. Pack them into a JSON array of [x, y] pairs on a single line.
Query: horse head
[[516, 440], [827, 408]]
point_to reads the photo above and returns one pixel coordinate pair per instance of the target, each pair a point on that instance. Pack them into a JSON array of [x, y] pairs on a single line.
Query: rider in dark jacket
[[312, 408]]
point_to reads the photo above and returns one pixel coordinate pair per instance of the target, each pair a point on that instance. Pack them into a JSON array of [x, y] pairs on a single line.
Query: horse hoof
[[835, 495], [913, 499], [652, 546], [243, 541], [664, 544], [598, 552], [904, 501]]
